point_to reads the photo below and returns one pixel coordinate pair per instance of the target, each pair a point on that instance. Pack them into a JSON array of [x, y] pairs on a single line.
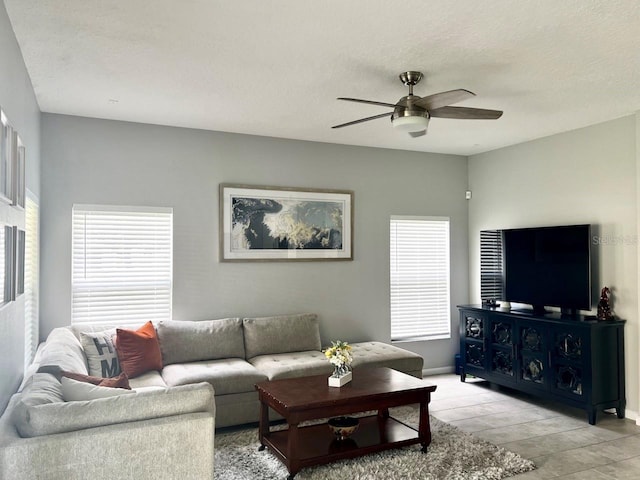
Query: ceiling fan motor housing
[[408, 117]]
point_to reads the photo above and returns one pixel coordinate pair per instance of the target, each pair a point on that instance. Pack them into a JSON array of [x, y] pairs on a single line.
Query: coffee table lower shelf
[[317, 445]]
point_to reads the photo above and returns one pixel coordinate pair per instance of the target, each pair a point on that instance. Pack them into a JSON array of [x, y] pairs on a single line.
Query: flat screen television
[[548, 267]]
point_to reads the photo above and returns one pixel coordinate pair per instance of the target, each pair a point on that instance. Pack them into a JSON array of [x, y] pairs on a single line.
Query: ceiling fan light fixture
[[413, 123]]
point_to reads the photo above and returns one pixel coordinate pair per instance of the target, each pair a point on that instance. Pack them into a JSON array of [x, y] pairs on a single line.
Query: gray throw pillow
[[282, 334], [186, 341], [101, 353]]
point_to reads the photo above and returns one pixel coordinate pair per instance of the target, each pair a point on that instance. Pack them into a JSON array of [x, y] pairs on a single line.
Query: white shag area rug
[[452, 455]]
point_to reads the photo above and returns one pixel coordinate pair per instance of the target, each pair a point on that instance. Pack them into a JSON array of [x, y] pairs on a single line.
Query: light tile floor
[[557, 438]]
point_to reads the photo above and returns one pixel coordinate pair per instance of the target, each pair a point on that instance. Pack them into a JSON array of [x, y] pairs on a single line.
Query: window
[[491, 265], [31, 279], [419, 278], [122, 264]]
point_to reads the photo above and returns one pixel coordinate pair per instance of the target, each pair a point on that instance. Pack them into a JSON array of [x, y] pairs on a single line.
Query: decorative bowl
[[343, 427]]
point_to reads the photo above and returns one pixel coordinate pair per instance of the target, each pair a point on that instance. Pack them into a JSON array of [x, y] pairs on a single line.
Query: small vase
[[340, 370], [341, 376]]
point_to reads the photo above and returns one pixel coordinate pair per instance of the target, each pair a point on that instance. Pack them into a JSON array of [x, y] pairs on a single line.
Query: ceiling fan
[[412, 113]]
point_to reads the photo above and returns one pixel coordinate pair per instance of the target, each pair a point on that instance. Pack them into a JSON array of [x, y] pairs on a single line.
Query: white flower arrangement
[[339, 355]]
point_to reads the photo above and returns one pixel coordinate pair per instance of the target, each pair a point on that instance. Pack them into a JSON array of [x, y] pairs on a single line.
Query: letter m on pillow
[[108, 369]]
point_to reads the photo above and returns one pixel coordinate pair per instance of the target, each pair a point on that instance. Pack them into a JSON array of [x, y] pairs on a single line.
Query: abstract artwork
[[277, 223]]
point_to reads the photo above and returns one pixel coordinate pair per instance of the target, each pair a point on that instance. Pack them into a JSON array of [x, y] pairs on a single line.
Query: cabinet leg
[[620, 410], [463, 377], [591, 412]]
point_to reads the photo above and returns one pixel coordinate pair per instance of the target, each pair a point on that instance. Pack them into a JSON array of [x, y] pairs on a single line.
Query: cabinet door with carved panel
[[472, 342], [501, 343], [533, 354], [569, 360]]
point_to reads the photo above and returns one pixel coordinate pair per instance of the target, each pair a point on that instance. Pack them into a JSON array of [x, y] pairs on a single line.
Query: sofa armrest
[[60, 417], [178, 446]]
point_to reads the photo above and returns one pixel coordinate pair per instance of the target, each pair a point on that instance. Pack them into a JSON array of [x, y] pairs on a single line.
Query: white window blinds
[[491, 265], [122, 264], [419, 278], [31, 279]]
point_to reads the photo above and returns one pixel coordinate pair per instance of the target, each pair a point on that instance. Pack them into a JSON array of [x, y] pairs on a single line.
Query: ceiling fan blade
[[442, 99], [466, 113], [370, 102], [418, 134], [363, 120]]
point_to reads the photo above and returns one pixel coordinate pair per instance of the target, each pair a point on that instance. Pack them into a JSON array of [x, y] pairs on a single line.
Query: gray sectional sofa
[[207, 381]]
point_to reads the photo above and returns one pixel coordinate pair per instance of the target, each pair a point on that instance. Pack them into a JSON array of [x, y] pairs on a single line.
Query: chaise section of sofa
[[142, 434], [152, 448]]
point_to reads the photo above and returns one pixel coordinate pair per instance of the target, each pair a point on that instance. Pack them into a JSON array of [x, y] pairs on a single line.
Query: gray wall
[[108, 162], [18, 102], [583, 176]]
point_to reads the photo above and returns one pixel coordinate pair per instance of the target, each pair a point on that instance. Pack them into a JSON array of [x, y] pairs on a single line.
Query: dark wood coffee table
[[310, 398]]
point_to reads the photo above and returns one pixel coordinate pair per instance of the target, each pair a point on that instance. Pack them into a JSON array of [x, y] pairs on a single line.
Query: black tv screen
[[548, 266]]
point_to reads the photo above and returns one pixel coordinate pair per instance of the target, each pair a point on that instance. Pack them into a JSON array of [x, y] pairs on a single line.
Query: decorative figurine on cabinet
[[604, 305]]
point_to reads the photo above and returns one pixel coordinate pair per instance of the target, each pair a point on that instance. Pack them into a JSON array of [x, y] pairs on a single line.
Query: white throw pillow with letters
[[101, 353], [73, 390]]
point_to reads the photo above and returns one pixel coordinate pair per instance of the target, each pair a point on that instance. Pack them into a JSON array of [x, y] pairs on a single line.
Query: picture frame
[[9, 260], [6, 158], [19, 242], [18, 164], [265, 223]]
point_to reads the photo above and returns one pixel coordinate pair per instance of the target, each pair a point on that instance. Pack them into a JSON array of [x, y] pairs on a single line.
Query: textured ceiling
[[275, 68]]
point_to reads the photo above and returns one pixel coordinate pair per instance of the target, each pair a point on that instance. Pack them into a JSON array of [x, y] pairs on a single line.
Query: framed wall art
[[18, 187], [19, 246], [8, 259], [6, 158], [277, 223]]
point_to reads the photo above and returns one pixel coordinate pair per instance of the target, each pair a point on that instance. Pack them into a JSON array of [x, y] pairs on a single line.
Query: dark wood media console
[[575, 360]]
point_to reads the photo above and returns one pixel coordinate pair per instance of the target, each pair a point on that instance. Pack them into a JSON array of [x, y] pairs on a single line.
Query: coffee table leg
[[424, 429], [383, 413], [263, 429], [292, 450]]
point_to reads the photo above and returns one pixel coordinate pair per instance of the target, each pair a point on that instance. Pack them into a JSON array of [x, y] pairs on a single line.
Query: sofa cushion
[[60, 417], [63, 349], [378, 354], [101, 353], [152, 379], [282, 334], [138, 350], [290, 365], [231, 375], [186, 341], [75, 390]]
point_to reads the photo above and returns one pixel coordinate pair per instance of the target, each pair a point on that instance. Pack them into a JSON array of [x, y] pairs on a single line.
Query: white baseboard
[[437, 371]]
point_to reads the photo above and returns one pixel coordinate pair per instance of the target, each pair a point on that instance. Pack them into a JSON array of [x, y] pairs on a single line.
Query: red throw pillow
[[121, 381], [138, 350]]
